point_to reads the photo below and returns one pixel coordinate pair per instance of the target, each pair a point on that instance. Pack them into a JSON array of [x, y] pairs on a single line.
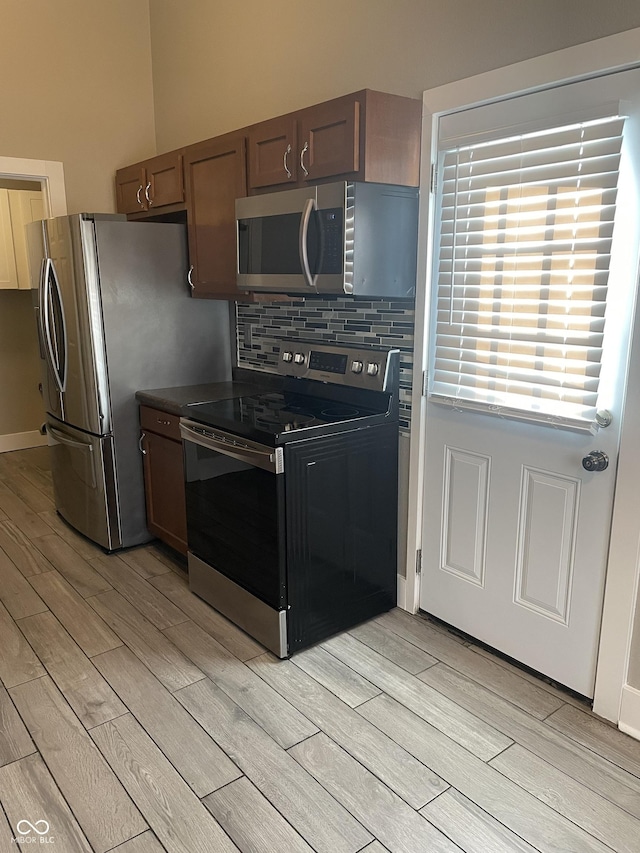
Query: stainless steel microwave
[[343, 237]]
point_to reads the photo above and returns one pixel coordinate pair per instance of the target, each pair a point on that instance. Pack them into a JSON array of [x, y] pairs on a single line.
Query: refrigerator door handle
[[62, 356], [59, 370], [38, 313], [44, 315]]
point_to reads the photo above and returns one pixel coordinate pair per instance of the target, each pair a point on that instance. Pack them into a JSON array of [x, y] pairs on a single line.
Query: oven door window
[[232, 521]]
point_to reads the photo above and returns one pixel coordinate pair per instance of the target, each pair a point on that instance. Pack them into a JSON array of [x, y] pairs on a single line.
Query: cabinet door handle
[[143, 435], [302, 153], [190, 278], [146, 194], [138, 199], [284, 161]]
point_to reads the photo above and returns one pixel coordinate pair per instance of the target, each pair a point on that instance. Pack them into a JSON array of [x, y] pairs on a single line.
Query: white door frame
[[617, 52], [50, 173]]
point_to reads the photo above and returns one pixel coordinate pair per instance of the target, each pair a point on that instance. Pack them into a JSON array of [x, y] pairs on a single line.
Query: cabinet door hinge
[[419, 561], [425, 382], [433, 179]]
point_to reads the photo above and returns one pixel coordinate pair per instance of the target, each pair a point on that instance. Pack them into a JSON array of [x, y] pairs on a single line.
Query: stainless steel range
[[292, 497]]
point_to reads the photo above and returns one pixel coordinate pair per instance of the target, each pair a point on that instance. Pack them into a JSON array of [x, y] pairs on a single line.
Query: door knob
[[595, 461]]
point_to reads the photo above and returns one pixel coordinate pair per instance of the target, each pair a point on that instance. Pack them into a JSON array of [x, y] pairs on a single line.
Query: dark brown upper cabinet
[[156, 183], [215, 176], [272, 149], [329, 139], [366, 136]]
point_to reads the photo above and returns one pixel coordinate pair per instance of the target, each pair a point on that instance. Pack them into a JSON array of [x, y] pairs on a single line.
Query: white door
[[533, 297]]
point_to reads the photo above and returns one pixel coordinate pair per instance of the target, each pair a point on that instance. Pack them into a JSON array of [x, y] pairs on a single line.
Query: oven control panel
[[357, 367]]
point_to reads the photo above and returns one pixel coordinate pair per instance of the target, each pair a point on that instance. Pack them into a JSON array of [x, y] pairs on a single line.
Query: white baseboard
[[21, 440], [629, 722]]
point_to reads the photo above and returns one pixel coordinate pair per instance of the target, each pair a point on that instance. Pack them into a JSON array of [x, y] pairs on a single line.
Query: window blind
[[525, 231]]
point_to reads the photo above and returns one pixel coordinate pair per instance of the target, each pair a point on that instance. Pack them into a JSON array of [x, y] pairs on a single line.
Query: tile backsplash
[[261, 327]]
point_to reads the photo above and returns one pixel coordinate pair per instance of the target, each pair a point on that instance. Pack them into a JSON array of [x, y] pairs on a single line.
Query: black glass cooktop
[[274, 413]]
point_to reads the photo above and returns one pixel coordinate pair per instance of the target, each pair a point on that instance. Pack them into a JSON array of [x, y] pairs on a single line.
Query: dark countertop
[[172, 400]]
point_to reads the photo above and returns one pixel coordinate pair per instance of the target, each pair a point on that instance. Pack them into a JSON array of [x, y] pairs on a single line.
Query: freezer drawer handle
[[62, 439]]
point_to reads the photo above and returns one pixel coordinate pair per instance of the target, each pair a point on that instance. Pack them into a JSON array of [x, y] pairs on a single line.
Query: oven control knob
[[299, 358], [356, 367], [372, 368], [287, 355]]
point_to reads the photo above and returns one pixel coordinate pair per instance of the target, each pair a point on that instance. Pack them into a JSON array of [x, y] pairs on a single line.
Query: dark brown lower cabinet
[[164, 477]]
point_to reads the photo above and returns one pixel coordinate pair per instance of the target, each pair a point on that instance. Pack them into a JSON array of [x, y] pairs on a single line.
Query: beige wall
[[75, 86], [220, 65], [21, 408]]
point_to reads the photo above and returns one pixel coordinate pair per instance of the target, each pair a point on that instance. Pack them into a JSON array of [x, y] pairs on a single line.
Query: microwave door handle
[[309, 207]]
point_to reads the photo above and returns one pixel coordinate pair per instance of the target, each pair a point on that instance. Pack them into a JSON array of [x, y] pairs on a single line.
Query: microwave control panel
[[331, 241]]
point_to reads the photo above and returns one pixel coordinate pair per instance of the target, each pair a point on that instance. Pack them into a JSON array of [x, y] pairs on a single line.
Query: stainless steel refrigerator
[[114, 316]]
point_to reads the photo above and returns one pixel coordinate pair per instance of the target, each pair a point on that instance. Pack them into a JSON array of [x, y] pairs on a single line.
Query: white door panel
[[547, 527], [513, 527], [465, 513]]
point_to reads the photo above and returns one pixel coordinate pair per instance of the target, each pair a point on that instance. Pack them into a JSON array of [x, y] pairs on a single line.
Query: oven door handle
[[268, 460]]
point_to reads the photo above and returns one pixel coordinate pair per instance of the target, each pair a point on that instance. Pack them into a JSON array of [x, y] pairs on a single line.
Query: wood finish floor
[[135, 718]]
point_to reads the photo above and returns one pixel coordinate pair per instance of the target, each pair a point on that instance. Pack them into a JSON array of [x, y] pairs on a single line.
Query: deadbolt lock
[[603, 418]]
